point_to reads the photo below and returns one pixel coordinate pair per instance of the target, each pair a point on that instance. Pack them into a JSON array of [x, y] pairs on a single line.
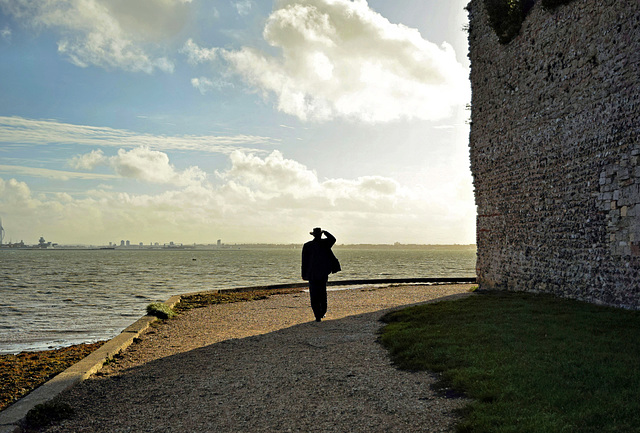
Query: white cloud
[[196, 54], [13, 192], [106, 33], [205, 85], [339, 58], [141, 164], [149, 20], [17, 130], [154, 167], [257, 199], [274, 182], [243, 7], [272, 175], [88, 161], [5, 33]]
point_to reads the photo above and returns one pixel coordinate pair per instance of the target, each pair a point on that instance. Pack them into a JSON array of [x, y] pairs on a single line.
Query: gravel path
[[266, 366]]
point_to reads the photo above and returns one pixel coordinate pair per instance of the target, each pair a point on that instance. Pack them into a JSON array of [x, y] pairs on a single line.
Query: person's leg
[[322, 308], [318, 295]]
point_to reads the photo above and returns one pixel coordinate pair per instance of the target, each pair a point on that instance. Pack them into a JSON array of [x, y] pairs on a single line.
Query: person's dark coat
[[318, 261]]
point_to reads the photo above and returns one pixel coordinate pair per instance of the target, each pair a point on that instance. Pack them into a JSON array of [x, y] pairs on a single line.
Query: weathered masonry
[[555, 151]]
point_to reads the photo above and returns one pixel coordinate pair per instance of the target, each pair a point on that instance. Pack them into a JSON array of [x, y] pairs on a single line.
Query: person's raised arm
[[329, 237]]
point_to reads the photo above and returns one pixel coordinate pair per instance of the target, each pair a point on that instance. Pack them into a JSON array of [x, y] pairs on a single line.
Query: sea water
[[55, 298]]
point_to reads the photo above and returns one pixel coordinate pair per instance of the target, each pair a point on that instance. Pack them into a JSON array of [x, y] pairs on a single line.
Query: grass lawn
[[531, 363]]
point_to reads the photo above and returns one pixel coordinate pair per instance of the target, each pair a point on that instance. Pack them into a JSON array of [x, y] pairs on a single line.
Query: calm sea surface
[[55, 298]]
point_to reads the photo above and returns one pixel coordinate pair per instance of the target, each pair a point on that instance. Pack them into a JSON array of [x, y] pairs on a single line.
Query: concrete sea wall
[[555, 151]]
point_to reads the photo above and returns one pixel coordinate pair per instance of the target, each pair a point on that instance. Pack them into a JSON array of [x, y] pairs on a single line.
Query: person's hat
[[316, 232]]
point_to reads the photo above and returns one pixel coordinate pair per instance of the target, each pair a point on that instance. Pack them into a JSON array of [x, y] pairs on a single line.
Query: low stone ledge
[[139, 325], [95, 360], [172, 301]]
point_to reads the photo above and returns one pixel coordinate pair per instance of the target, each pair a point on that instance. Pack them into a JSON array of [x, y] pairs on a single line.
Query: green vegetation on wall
[[506, 16]]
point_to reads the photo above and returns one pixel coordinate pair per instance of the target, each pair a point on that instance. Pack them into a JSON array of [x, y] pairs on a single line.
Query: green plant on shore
[[46, 413], [160, 311], [530, 363]]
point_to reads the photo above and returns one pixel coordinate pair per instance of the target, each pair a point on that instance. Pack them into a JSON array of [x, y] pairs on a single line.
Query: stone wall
[[555, 151]]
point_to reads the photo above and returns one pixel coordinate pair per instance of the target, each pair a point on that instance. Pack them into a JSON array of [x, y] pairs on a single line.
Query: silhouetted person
[[318, 262]]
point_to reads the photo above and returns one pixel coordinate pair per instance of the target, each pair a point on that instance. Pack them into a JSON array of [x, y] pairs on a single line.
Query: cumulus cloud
[[273, 174], [21, 131], [88, 161], [291, 185], [141, 164], [106, 33], [13, 192], [154, 167], [339, 58]]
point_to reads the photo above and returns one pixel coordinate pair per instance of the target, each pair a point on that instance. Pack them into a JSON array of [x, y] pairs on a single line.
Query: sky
[[248, 121]]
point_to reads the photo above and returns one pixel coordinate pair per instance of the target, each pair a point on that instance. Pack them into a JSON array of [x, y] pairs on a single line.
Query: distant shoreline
[[225, 247]]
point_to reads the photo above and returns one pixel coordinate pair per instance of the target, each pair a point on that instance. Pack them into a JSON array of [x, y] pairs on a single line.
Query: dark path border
[[443, 280]]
